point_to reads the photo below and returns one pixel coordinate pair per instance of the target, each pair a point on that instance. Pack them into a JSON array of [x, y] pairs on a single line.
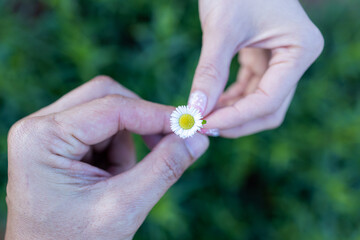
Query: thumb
[[211, 74], [148, 181]]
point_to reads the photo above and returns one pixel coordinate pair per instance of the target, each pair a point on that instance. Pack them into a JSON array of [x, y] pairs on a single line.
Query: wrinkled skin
[[72, 165]]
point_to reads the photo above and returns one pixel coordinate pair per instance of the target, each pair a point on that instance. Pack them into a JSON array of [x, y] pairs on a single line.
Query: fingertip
[[197, 145], [212, 132], [198, 99]]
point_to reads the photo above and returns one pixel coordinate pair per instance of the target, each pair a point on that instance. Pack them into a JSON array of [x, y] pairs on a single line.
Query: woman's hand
[[277, 43], [73, 171]]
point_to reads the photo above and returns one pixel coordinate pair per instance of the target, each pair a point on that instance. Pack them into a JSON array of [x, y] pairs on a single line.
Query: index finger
[[98, 87], [100, 119]]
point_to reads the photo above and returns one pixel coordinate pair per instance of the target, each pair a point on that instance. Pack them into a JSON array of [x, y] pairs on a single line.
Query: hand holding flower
[[277, 43], [73, 171]]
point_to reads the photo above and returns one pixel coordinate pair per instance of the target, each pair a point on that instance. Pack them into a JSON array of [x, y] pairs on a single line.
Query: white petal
[[174, 121]]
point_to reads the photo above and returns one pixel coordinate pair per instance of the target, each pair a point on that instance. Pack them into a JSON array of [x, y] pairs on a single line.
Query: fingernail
[[198, 100], [197, 145], [214, 132]]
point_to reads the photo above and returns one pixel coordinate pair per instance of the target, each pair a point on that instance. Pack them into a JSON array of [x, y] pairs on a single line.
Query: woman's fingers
[[252, 85], [265, 123], [285, 69], [98, 87], [253, 62], [211, 74], [235, 90]]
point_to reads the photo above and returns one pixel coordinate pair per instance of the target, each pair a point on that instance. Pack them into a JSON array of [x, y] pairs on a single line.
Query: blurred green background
[[301, 181]]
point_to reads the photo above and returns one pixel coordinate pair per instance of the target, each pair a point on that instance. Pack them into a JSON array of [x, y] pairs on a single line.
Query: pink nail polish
[[211, 132], [198, 100]]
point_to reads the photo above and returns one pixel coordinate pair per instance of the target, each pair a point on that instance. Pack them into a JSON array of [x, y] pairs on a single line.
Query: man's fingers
[[115, 154], [152, 140], [211, 75], [95, 121], [159, 170], [98, 87], [121, 155]]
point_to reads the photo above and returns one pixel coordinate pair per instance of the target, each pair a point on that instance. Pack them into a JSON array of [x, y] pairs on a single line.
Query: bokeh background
[[301, 181]]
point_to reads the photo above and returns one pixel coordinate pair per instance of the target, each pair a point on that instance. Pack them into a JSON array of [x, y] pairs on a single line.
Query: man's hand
[[73, 171], [277, 43]]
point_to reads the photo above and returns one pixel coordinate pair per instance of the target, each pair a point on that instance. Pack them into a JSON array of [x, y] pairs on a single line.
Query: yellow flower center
[[186, 121]]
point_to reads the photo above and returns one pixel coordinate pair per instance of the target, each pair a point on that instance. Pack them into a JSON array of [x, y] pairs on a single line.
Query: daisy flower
[[186, 121]]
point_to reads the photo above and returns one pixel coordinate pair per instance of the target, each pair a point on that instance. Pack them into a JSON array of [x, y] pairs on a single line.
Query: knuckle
[[15, 130], [52, 123], [319, 42], [275, 121], [31, 133], [104, 81], [112, 98], [271, 107], [311, 40], [207, 72], [170, 168], [20, 129], [47, 128], [61, 140]]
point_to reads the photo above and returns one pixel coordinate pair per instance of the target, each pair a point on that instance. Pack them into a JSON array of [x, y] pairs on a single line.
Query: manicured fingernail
[[211, 132], [198, 100], [197, 145]]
